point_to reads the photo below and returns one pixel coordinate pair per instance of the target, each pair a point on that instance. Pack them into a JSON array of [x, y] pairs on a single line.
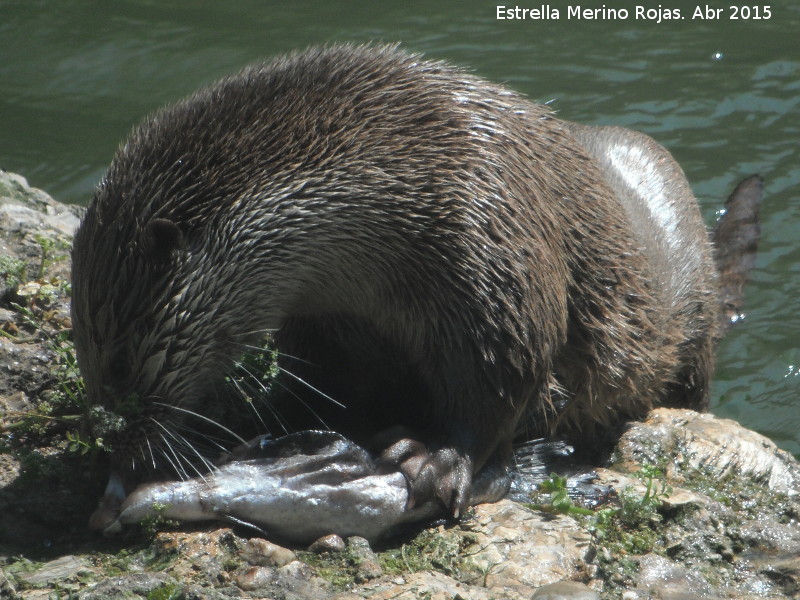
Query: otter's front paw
[[445, 474]]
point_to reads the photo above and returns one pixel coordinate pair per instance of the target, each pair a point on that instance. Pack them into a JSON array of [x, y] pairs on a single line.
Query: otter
[[442, 265]]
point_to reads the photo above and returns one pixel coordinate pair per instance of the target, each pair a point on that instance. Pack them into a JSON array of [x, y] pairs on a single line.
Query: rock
[[565, 590], [35, 237], [139, 585], [718, 447], [328, 543], [255, 578], [25, 209], [519, 549], [7, 591], [262, 553], [662, 578], [186, 553], [367, 565], [734, 530], [293, 581], [56, 570], [429, 585]]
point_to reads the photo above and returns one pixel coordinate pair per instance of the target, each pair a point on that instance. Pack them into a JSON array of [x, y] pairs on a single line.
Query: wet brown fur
[[458, 259]]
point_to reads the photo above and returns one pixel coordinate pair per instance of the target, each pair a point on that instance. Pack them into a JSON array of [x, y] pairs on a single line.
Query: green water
[[75, 76]]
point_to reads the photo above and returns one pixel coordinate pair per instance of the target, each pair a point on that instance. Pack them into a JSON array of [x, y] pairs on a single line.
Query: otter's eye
[[119, 366]]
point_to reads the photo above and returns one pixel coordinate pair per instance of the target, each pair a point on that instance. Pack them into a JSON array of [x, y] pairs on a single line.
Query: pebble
[[327, 543], [368, 567], [261, 553], [254, 578]]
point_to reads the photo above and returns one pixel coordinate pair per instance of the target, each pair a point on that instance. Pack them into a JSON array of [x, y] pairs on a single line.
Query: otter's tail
[[735, 240]]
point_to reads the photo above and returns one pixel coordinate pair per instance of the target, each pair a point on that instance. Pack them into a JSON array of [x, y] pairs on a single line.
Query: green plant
[[48, 245], [430, 550], [12, 271], [27, 316], [158, 521], [255, 372], [630, 528], [71, 390], [636, 509], [76, 443], [58, 594], [557, 496], [167, 591], [62, 405], [627, 528]]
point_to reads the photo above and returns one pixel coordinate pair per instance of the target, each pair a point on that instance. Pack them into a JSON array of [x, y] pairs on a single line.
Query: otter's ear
[[161, 238]]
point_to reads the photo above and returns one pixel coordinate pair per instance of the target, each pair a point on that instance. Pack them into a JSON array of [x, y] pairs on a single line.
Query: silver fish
[[299, 487]]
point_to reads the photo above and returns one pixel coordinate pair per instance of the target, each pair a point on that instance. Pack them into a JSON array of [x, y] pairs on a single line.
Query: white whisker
[[307, 406], [206, 463], [255, 331], [152, 454], [183, 442], [176, 466], [311, 387], [260, 349], [216, 442], [245, 395], [237, 437]]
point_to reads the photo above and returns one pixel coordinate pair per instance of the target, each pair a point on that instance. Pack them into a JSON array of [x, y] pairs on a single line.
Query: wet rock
[[734, 529], [662, 578], [772, 551]]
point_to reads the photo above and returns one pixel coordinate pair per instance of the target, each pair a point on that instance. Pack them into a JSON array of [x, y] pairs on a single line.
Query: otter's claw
[[445, 474]]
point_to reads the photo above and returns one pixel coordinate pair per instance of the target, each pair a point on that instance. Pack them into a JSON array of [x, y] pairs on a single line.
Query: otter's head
[[129, 336], [157, 311]]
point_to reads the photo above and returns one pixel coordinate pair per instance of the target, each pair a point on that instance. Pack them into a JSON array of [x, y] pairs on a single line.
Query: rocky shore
[[704, 508]]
